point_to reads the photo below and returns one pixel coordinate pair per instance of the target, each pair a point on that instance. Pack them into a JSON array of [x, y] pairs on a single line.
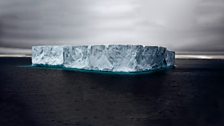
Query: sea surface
[[189, 95]]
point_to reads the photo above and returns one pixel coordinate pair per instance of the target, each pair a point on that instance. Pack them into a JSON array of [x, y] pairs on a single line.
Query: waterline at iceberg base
[[114, 58]]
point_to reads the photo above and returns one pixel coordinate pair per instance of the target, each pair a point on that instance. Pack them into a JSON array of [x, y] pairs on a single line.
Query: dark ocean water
[[189, 95]]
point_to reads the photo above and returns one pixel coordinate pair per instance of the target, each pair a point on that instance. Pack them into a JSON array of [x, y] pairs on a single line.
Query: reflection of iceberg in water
[[117, 58]]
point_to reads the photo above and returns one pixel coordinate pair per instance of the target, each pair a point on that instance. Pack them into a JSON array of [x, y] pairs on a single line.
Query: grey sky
[[181, 25]]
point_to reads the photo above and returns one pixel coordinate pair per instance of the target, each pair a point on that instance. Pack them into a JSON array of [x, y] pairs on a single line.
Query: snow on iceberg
[[118, 58]]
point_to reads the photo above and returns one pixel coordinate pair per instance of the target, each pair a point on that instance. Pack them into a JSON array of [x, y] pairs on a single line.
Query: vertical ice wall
[[126, 58]]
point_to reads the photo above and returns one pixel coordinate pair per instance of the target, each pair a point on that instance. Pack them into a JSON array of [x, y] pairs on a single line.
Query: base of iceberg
[[115, 58]]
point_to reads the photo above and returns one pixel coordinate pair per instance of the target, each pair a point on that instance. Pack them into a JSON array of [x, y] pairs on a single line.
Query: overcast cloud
[[181, 25]]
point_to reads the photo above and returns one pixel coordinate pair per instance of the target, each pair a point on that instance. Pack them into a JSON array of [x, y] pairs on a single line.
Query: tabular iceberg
[[118, 58]]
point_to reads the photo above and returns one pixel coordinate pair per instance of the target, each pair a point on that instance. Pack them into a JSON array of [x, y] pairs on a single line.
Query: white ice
[[47, 55], [119, 58]]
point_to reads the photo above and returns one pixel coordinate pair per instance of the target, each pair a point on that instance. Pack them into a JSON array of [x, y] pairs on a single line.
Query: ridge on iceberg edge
[[117, 58]]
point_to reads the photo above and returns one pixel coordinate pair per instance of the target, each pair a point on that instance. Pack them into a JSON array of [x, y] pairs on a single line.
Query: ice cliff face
[[121, 58], [75, 56], [47, 55]]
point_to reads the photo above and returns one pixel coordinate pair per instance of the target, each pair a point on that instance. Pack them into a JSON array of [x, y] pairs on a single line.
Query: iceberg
[[75, 56], [47, 55], [115, 58], [98, 58]]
